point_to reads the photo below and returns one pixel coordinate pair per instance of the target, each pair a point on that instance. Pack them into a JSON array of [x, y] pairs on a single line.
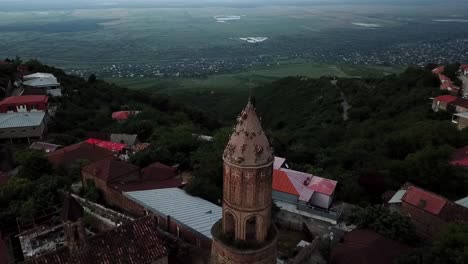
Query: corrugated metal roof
[[38, 75], [463, 202], [13, 120], [397, 197], [39, 82], [425, 200], [281, 183], [278, 163], [193, 212]]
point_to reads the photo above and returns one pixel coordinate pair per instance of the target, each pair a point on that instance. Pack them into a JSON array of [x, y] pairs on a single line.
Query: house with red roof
[[113, 177], [444, 79], [363, 246], [464, 69], [442, 102], [67, 156], [123, 115], [428, 211], [26, 103], [438, 70], [450, 87], [296, 188], [109, 145], [450, 103]]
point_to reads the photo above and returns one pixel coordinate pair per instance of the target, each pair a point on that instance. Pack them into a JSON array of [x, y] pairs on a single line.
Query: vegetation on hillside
[[392, 135], [450, 246]]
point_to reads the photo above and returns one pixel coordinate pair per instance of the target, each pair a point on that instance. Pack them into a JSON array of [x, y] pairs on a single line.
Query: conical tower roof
[[248, 145]]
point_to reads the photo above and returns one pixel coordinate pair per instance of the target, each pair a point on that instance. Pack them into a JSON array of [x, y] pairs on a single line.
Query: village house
[[461, 120], [302, 189], [129, 140], [139, 241], [109, 145], [68, 156], [438, 70], [113, 176], [20, 126], [27, 103], [363, 246], [44, 146], [450, 103], [464, 69], [41, 83], [444, 79], [123, 115], [429, 212], [450, 87], [187, 217]]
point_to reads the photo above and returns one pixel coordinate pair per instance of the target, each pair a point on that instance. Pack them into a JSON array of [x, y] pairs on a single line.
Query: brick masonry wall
[[113, 197], [222, 254]]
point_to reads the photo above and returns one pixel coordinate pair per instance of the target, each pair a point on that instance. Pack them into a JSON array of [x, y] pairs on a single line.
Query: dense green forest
[[87, 106], [391, 136]]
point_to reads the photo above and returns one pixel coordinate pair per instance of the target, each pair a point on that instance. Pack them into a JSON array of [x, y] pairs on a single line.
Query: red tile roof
[[112, 146], [460, 157], [362, 246], [159, 171], [136, 242], [111, 169], [282, 183], [446, 98], [25, 99], [425, 200], [81, 151]]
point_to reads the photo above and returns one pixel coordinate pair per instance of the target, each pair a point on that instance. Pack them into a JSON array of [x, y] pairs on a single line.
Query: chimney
[[307, 181]]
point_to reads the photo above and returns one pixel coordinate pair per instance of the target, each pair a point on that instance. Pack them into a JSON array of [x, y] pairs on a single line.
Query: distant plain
[[93, 39]]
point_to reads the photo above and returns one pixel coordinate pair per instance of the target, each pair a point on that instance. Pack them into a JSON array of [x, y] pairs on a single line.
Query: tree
[[449, 247], [33, 164], [92, 78], [389, 224]]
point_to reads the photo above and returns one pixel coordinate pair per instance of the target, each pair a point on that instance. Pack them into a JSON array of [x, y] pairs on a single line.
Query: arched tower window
[[251, 228], [229, 225]]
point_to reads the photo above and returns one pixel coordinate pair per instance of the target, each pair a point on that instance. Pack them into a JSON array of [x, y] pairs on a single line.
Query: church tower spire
[[247, 196]]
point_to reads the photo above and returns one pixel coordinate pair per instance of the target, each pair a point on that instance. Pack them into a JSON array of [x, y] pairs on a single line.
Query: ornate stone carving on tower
[[245, 233]]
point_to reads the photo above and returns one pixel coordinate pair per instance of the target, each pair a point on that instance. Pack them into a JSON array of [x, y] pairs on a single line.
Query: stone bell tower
[[245, 233]]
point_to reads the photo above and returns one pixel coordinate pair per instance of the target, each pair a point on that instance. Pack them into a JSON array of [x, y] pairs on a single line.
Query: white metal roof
[[465, 115], [193, 212], [279, 162], [13, 120], [39, 75], [463, 202], [397, 197], [43, 81]]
